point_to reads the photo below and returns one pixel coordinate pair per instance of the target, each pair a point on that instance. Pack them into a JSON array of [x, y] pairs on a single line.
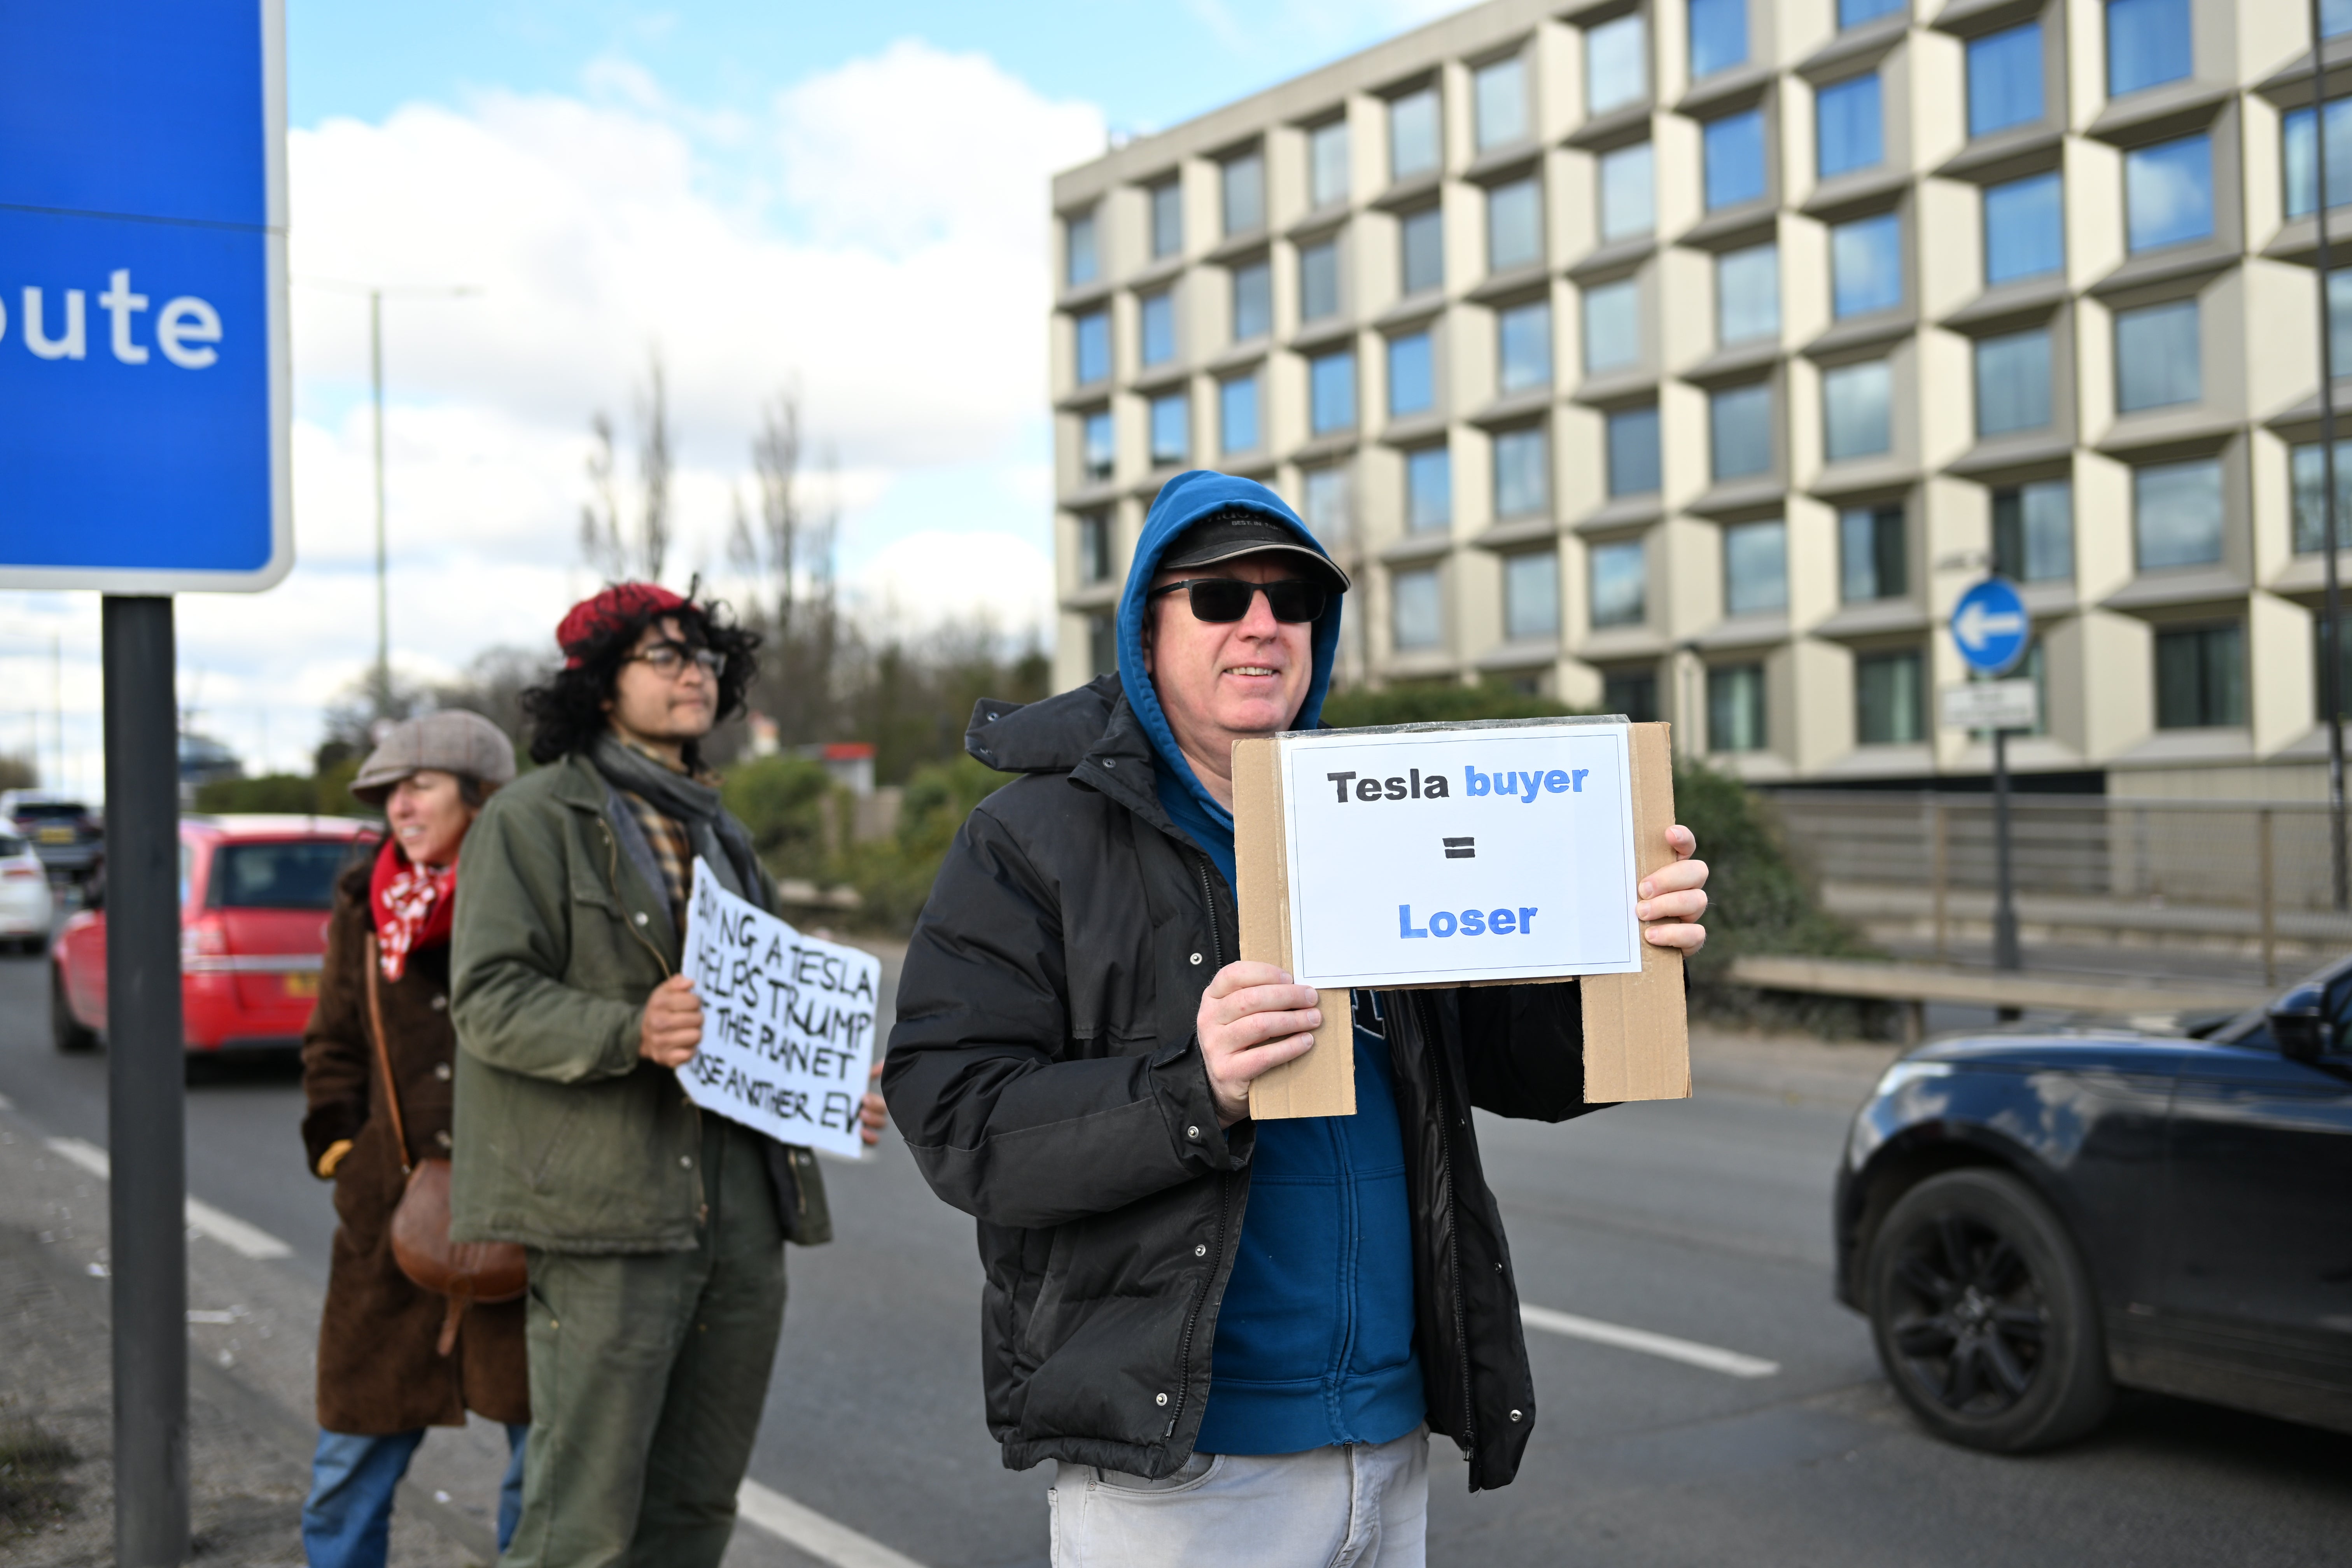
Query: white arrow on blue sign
[[1990, 625], [144, 366]]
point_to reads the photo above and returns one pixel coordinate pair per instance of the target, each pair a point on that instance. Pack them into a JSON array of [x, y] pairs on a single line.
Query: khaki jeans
[[647, 1375]]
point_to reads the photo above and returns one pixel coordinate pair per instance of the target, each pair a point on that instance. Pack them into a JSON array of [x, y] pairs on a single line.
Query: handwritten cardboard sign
[[787, 1022]]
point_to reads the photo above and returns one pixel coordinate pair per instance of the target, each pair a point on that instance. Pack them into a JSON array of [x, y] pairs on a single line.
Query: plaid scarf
[[673, 850]]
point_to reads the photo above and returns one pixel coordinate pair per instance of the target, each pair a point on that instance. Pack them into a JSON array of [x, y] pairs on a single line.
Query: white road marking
[[802, 1527], [1690, 1354], [231, 1232]]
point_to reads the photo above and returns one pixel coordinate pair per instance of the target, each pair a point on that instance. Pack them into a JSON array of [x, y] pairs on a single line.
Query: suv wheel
[[67, 1031], [1984, 1317]]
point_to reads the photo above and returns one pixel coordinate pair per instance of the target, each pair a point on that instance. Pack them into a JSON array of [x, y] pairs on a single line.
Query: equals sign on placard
[[1461, 848]]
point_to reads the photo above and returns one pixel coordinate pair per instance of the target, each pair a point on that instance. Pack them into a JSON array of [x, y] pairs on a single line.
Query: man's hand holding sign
[[786, 1039]]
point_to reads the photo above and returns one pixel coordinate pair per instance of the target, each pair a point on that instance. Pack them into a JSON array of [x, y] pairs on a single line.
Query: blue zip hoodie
[[1314, 1342]]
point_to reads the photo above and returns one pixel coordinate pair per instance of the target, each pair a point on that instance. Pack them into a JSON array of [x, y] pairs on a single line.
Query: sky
[[845, 201]]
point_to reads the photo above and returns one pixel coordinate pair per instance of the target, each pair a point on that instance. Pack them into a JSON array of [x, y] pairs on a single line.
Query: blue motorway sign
[[1990, 625], [143, 370]]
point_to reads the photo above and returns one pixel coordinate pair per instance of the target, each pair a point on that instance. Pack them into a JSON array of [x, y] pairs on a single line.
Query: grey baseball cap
[[1232, 533], [451, 742]]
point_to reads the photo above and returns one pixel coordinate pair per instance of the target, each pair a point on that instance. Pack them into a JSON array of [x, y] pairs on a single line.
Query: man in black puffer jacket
[[1233, 1337]]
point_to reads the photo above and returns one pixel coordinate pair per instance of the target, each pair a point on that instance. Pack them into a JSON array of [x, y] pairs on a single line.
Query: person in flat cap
[[653, 1233], [1233, 1338], [384, 1373]]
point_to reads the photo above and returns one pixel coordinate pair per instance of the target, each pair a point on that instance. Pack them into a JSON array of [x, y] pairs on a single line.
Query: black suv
[[64, 833]]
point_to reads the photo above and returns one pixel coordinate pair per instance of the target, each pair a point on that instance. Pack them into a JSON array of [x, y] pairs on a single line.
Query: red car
[[255, 893]]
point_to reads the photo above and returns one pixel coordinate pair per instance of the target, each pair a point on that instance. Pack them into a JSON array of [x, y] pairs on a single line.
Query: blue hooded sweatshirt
[[1314, 1343]]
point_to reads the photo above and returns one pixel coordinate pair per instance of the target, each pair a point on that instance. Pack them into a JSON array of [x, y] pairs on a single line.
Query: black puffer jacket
[[1044, 1074]]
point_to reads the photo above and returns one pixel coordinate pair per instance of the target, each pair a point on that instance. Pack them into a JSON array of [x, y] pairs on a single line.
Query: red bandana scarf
[[413, 906]]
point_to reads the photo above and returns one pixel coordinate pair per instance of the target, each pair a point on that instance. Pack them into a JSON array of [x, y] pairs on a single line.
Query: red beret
[[622, 605]]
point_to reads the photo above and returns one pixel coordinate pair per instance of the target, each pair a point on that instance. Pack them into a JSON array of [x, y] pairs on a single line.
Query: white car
[[24, 906]]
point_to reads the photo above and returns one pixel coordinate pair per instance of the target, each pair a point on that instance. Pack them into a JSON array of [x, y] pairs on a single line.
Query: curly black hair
[[567, 711]]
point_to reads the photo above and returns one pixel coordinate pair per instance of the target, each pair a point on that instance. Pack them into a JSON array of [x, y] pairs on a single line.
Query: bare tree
[[620, 546], [790, 556]]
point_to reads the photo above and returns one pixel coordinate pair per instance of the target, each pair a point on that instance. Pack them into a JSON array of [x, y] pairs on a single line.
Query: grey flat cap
[[451, 742]]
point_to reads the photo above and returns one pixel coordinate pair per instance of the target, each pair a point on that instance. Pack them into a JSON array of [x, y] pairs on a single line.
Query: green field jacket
[[563, 1137]]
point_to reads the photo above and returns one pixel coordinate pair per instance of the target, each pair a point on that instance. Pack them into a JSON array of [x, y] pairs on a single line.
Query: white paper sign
[[787, 1022], [1992, 705], [1490, 853]]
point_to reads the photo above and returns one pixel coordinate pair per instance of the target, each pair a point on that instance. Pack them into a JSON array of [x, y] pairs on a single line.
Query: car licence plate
[[305, 985], [56, 836]]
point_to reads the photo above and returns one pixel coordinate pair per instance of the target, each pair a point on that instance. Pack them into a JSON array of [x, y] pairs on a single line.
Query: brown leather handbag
[[464, 1271]]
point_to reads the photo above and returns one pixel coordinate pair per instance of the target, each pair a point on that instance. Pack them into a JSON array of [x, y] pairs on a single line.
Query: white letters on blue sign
[[55, 324]]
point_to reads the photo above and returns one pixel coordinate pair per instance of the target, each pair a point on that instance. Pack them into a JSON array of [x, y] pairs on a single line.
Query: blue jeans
[[347, 1522]]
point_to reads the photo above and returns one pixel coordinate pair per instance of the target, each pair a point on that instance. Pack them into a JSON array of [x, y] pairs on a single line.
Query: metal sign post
[[143, 430], [1992, 630]]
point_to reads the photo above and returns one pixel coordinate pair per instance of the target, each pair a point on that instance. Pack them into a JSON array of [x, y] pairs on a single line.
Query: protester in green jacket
[[654, 1231]]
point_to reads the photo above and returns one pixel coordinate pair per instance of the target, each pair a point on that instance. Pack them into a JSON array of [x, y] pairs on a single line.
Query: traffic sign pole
[[146, 1068], [1993, 632], [2004, 905]]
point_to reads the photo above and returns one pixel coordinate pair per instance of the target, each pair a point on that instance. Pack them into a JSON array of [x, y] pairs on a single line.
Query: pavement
[[1702, 1399]]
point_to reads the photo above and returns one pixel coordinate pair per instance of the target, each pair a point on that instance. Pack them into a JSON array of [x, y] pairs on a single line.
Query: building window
[[2005, 79], [1331, 391], [2147, 44], [2168, 192], [2201, 678], [1421, 241], [1167, 218], [2298, 156], [1629, 203], [1634, 451], [1514, 225], [1616, 64], [1329, 512], [1748, 294], [1413, 134], [2158, 362], [1326, 164], [1756, 568], [1319, 280], [1733, 147], [2339, 319], [1158, 328], [1854, 12], [2310, 474], [1866, 264], [2013, 383], [1102, 643], [1612, 326], [1632, 692], [2025, 230], [1093, 547], [1102, 446], [1889, 707], [1253, 301], [1523, 347], [1412, 375], [1531, 595], [2319, 665], [1091, 337], [1857, 411], [1245, 193], [1500, 103], [1171, 430], [1416, 611], [2177, 514], [2335, 18], [1522, 472], [1080, 261], [1428, 489], [1620, 584], [1735, 707], [1718, 37], [1237, 421], [1872, 548], [1739, 431], [1848, 128], [2033, 531]]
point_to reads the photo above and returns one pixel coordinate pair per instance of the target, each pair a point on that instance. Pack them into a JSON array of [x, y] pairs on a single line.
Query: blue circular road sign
[[1990, 625]]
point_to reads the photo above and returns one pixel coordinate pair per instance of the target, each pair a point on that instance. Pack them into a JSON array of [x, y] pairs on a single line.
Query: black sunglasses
[[1226, 599]]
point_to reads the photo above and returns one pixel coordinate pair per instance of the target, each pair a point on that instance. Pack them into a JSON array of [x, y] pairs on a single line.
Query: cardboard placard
[[1636, 1036]]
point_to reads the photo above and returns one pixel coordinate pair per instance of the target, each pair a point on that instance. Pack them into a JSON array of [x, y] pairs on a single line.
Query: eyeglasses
[[668, 659], [1226, 599]]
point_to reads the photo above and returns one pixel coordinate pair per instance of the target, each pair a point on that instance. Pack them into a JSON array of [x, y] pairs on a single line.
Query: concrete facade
[[1689, 358]]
